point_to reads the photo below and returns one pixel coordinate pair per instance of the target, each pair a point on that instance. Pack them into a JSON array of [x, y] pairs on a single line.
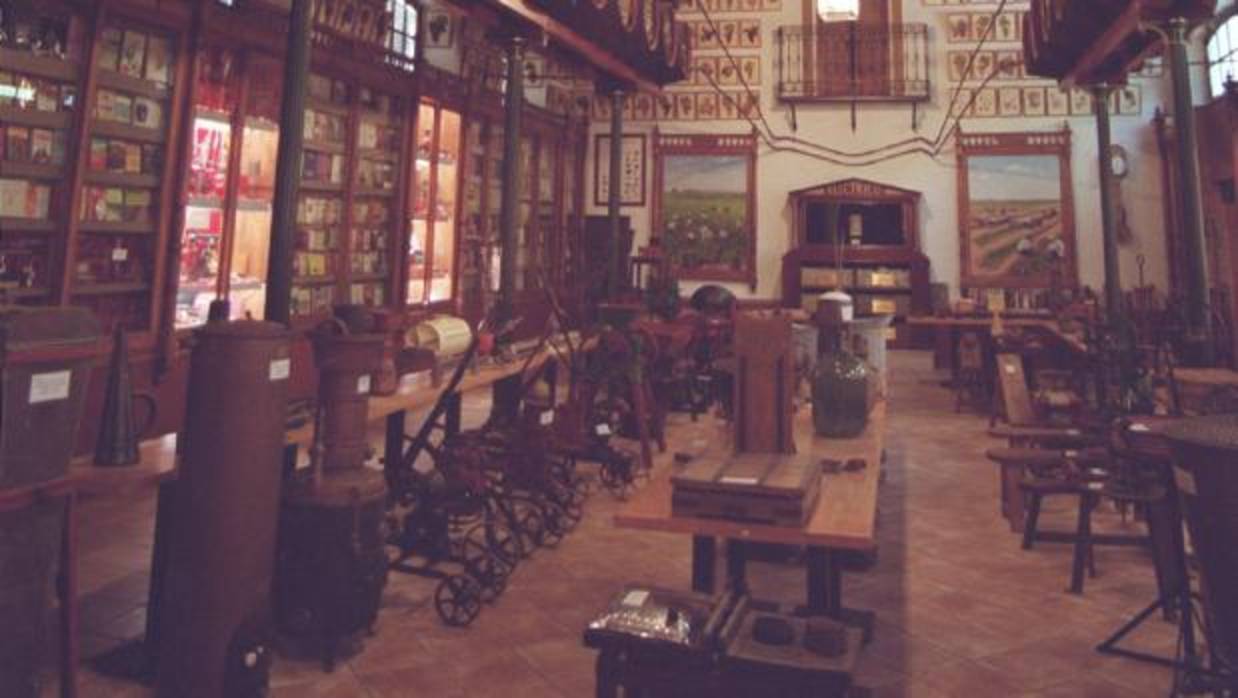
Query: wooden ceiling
[[1099, 41]]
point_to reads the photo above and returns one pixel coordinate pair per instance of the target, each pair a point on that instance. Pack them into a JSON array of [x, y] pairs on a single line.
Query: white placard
[[547, 418], [279, 369], [636, 598], [120, 254], [1009, 368], [363, 385], [49, 387], [740, 481], [1137, 426], [603, 429], [1185, 481]]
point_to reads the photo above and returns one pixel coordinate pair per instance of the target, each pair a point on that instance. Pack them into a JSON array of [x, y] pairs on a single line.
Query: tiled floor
[[962, 611]]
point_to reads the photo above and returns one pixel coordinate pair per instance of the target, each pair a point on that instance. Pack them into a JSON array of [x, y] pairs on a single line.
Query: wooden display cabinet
[[42, 68], [875, 227], [126, 165]]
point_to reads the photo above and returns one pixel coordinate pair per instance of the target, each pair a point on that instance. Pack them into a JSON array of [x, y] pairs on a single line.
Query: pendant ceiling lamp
[[838, 10]]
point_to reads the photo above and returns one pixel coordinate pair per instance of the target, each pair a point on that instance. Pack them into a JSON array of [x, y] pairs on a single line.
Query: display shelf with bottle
[[123, 204], [374, 197], [543, 243], [435, 185], [41, 71], [473, 221], [322, 202]]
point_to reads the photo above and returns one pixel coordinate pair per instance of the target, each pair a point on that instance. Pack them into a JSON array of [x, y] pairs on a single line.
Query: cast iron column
[[1191, 201], [509, 205], [614, 273], [288, 166], [1108, 219]]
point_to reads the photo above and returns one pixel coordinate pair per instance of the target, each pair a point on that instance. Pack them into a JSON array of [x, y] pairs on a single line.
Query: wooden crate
[[768, 488]]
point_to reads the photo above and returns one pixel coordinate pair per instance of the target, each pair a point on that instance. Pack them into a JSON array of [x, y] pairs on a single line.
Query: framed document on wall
[[631, 170]]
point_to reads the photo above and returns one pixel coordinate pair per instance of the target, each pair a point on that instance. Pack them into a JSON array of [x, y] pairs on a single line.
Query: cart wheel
[[500, 541], [617, 479], [532, 527], [556, 526], [458, 600], [488, 570]]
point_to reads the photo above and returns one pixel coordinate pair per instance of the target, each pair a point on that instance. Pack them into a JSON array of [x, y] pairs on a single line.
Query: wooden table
[[953, 325], [157, 465], [845, 517]]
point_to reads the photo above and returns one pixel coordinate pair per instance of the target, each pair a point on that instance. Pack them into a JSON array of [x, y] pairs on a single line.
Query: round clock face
[[626, 9], [1118, 164]]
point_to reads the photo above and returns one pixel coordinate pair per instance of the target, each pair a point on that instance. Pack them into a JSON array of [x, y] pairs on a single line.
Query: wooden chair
[[969, 383]]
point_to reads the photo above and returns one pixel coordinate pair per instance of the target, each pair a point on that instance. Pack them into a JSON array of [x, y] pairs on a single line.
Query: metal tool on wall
[[117, 443]]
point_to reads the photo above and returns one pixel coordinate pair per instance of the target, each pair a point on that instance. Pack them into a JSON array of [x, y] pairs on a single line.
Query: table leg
[[704, 559], [393, 443], [736, 566], [452, 417], [69, 634], [605, 676], [825, 592]]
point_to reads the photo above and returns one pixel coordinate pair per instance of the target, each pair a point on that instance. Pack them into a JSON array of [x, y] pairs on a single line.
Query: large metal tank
[[1206, 472], [46, 357], [215, 623]]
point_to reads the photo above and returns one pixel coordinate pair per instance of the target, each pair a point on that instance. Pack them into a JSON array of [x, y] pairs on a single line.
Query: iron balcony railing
[[850, 61]]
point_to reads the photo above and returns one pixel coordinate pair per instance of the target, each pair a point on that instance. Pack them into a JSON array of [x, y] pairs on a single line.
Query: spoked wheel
[[498, 540], [556, 524], [489, 571], [617, 479], [458, 600]]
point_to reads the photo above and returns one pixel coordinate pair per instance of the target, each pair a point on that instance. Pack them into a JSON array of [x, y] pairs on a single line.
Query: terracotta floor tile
[[962, 610]]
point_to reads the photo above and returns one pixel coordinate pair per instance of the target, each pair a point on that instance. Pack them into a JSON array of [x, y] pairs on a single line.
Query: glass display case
[[115, 255], [434, 192], [229, 185], [41, 68]]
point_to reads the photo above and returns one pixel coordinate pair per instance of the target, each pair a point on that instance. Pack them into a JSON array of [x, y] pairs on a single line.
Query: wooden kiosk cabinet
[[875, 228]]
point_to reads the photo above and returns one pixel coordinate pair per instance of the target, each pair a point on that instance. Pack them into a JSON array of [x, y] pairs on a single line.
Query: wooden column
[[1190, 198], [1108, 218], [278, 306], [615, 274], [510, 203]]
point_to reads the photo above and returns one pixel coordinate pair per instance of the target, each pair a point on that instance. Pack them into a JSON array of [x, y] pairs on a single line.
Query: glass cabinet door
[[543, 246], [202, 237], [419, 223], [251, 233], [443, 243], [494, 198]]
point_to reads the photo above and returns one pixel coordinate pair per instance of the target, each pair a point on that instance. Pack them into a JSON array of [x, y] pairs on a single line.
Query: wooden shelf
[[385, 193], [384, 155], [328, 187], [121, 179], [117, 227], [313, 280], [324, 106], [325, 146], [108, 289], [34, 118], [125, 83], [809, 288], [27, 225], [115, 129], [205, 202], [41, 66], [31, 170], [24, 293], [206, 114], [360, 278]]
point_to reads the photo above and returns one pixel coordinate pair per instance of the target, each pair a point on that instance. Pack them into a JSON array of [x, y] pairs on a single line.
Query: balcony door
[[853, 58]]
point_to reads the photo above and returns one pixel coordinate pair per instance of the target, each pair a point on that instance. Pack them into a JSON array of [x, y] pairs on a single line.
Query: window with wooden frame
[[878, 57]]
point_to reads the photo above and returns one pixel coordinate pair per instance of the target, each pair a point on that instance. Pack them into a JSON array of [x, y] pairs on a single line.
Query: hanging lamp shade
[[838, 10]]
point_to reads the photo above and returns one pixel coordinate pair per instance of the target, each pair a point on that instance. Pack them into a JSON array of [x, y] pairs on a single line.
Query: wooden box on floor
[[769, 488]]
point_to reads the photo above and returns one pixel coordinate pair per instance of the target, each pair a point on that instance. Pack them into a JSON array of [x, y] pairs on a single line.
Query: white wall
[[781, 172]]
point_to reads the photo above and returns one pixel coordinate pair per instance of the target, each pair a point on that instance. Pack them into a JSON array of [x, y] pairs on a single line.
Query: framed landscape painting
[[704, 206], [1016, 210]]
